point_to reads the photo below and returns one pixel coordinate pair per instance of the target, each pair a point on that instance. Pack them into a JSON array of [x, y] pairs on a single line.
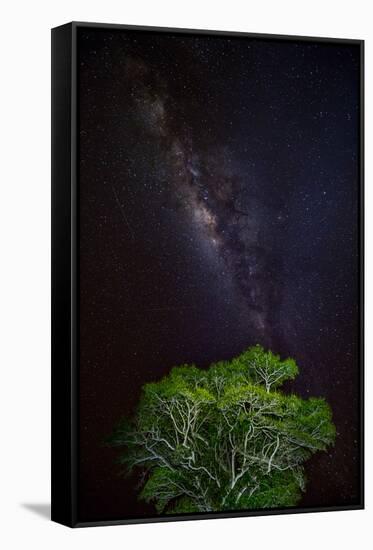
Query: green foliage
[[224, 438]]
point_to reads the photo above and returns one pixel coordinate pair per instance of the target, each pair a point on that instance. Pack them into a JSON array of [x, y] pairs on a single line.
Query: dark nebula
[[218, 209]]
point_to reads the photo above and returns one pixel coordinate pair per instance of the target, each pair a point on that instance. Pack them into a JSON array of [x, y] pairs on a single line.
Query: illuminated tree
[[224, 438]]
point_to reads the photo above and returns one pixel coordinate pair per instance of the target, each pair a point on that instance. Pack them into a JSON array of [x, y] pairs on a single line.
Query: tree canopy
[[224, 438]]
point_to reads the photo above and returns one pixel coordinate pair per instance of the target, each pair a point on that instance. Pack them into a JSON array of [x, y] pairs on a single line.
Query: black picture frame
[[65, 277]]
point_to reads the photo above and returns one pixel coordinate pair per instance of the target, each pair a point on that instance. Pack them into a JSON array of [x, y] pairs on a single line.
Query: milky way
[[218, 209], [216, 193]]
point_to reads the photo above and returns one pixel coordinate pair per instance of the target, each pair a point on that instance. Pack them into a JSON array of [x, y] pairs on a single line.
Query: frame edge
[[62, 482]]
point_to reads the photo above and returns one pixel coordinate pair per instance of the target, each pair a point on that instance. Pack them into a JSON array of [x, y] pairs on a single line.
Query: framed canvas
[[207, 274]]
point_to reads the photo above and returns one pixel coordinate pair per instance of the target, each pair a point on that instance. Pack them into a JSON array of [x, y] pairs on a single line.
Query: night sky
[[218, 209]]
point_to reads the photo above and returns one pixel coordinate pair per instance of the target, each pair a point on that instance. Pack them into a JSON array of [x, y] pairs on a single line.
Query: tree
[[224, 438]]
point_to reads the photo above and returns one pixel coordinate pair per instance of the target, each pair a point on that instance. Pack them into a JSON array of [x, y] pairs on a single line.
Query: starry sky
[[218, 209]]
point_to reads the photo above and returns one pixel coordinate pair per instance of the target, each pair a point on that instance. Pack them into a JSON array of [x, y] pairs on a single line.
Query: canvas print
[[219, 274]]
